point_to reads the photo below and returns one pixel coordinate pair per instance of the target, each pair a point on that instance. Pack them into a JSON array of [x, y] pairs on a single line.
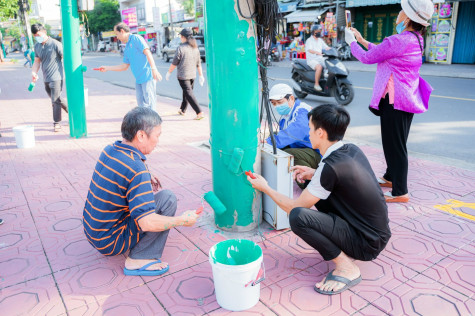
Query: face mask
[[400, 27], [39, 39], [283, 109]]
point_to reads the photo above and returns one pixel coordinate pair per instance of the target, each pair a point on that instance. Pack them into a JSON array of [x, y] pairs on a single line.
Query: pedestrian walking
[[399, 92], [49, 55], [27, 57], [138, 57], [2, 49], [187, 59]]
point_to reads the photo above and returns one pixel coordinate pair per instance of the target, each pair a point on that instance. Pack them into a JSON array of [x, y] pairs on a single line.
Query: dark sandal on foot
[[330, 277]]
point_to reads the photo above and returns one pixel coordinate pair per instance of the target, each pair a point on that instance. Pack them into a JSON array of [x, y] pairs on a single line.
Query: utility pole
[[24, 7], [73, 68], [234, 116], [171, 19]]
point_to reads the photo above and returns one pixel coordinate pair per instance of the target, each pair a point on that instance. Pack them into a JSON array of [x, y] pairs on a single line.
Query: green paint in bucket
[[235, 252], [237, 273]]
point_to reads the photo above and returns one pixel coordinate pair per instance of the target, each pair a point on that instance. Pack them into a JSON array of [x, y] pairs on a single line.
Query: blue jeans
[[146, 94]]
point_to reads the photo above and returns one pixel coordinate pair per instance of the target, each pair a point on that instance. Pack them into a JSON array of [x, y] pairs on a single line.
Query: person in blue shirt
[[138, 57], [293, 136], [28, 58]]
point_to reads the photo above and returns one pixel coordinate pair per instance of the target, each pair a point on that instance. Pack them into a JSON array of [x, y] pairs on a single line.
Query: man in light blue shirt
[[137, 55]]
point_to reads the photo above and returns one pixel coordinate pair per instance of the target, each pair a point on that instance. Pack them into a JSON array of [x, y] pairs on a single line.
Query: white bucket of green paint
[[237, 273], [24, 136]]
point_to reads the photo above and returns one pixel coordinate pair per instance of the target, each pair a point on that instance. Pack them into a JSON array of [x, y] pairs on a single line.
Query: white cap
[[419, 11], [279, 91]]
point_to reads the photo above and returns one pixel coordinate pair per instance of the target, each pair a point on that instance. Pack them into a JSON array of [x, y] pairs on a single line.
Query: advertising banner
[[129, 17]]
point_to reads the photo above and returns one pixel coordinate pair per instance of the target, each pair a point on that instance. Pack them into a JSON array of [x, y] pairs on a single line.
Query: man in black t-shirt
[[352, 217], [49, 55]]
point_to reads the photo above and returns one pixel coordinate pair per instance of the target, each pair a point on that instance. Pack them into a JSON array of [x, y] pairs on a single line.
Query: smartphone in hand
[[348, 18]]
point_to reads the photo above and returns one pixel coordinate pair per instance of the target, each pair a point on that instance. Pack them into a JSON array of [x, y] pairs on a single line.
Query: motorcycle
[[344, 50], [334, 81]]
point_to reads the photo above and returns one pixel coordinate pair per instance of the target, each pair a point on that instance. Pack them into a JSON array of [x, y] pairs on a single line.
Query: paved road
[[445, 132]]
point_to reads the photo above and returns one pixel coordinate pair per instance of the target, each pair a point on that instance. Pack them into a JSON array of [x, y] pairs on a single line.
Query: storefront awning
[[304, 15], [190, 24], [364, 3], [287, 6]]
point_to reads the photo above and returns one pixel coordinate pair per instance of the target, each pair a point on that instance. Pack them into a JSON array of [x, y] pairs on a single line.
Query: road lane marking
[[449, 208]]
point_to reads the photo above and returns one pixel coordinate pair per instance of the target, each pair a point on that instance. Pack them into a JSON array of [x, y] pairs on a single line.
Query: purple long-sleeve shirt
[[401, 56]]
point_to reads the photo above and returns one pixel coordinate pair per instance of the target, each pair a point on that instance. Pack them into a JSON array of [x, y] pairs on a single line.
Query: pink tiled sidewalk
[[48, 268]]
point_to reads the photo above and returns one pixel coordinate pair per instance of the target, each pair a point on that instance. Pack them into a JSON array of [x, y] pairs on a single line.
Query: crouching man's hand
[[302, 173], [259, 183], [189, 218]]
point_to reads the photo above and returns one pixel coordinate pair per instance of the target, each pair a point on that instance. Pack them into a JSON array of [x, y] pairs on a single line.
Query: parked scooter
[[333, 81], [274, 53]]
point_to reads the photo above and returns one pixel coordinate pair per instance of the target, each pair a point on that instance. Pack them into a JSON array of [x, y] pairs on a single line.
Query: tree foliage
[[104, 16], [189, 6], [8, 9]]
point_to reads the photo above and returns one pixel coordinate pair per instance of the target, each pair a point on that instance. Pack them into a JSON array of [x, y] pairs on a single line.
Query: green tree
[[8, 9], [189, 6], [104, 16]]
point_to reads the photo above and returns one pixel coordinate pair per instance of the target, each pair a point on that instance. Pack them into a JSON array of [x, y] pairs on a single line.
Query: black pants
[[329, 234], [53, 89], [188, 96], [395, 126]]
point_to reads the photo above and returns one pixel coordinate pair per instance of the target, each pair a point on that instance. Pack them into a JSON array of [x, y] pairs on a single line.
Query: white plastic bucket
[[236, 280], [24, 136]]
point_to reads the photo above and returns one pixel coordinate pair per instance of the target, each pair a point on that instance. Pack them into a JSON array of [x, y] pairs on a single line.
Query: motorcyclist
[[314, 47]]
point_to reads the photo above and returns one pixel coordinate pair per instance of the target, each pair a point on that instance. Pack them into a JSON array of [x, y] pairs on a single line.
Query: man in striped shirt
[[124, 208]]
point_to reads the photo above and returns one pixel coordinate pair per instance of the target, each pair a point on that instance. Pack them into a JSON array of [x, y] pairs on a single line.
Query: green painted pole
[[73, 68], [234, 118]]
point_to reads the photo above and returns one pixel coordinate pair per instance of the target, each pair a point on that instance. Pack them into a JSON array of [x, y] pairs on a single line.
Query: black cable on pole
[[266, 16]]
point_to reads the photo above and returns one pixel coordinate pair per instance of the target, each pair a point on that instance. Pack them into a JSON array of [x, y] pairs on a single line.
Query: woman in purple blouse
[[398, 90]]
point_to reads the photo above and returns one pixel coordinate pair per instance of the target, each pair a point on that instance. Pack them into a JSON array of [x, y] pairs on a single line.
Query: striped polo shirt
[[119, 195]]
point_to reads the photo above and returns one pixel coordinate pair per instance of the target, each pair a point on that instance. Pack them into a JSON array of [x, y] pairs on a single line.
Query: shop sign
[[165, 19], [156, 18], [129, 17], [108, 34], [440, 33], [199, 8], [142, 31], [178, 15]]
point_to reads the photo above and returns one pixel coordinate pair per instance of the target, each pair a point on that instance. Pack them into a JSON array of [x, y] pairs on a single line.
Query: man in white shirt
[[313, 49]]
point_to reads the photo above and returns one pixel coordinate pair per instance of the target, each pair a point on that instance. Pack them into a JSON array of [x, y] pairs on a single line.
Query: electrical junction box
[[276, 170], [85, 5]]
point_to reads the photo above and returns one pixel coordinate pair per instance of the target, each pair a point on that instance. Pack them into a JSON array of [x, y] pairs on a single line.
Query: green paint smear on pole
[[233, 93], [73, 68]]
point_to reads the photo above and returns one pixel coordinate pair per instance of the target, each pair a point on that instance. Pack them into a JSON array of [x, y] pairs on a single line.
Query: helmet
[[316, 27], [316, 30], [279, 91]]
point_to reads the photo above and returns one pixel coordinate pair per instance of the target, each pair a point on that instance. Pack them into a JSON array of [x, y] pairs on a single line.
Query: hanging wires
[[266, 17]]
